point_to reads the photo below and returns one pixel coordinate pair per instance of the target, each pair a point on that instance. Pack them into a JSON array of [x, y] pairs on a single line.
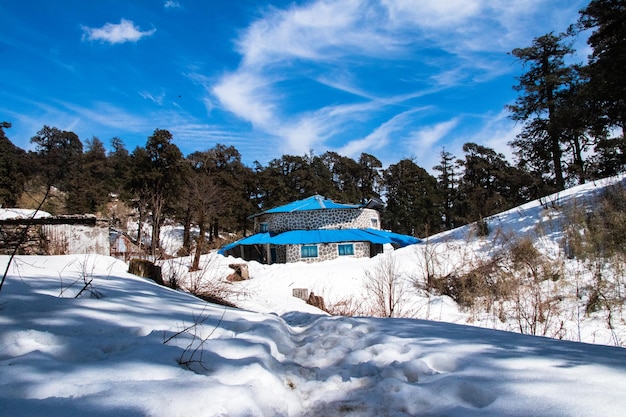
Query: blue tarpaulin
[[303, 237], [315, 202]]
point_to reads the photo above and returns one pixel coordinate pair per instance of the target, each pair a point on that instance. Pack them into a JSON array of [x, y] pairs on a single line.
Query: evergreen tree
[[119, 161], [489, 184], [284, 180], [412, 200], [447, 187], [539, 144], [89, 190], [58, 161], [607, 80], [341, 181], [157, 180], [59, 153], [607, 19], [12, 177], [370, 177], [236, 184]]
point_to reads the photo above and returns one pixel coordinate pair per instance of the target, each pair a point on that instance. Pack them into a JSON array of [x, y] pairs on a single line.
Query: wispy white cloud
[[248, 95], [432, 14], [114, 33], [427, 137], [106, 114], [328, 41], [172, 4], [380, 137], [496, 132], [157, 99]]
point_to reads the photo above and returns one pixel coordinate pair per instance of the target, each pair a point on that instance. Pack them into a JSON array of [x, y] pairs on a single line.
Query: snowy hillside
[[128, 347], [557, 307]]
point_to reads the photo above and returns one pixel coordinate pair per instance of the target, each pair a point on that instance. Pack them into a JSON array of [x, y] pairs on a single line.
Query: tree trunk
[[578, 160], [556, 160], [158, 202], [139, 227], [215, 232], [199, 245], [187, 231]]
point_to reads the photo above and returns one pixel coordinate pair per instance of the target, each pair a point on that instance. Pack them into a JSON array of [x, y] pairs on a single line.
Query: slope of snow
[[344, 281], [117, 350]]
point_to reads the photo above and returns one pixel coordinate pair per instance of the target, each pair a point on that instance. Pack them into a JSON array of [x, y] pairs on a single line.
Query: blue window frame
[[263, 227], [345, 249], [308, 251]]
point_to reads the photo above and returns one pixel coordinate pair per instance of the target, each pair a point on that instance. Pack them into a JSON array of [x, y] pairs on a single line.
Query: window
[[346, 249], [263, 228], [308, 251], [374, 223]]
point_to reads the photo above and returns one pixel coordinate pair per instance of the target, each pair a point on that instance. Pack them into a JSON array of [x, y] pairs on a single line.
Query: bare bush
[[513, 283], [595, 238], [83, 284], [208, 282], [386, 287], [192, 355], [348, 307]]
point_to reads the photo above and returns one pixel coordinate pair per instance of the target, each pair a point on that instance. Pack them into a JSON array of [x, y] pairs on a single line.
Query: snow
[[344, 281], [17, 213], [119, 354], [81, 336]]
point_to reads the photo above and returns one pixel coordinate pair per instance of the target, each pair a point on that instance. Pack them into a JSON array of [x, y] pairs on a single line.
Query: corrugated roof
[[316, 202], [303, 237]]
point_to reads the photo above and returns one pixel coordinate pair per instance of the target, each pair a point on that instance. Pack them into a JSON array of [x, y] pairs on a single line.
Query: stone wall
[[327, 251], [356, 218], [33, 241], [361, 218]]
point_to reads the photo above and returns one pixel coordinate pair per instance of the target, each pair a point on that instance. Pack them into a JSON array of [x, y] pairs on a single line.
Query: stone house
[[313, 230]]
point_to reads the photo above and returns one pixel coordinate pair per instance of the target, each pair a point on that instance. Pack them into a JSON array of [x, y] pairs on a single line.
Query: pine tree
[[447, 187], [11, 170], [412, 200], [541, 87], [607, 80]]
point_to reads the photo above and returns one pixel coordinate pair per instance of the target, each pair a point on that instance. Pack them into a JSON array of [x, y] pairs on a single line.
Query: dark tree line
[[573, 122]]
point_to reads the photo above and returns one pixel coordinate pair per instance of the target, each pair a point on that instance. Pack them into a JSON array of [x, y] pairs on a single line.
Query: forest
[[572, 117]]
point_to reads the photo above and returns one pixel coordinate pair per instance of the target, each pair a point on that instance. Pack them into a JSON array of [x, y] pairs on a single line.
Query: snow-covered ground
[[343, 282], [128, 347]]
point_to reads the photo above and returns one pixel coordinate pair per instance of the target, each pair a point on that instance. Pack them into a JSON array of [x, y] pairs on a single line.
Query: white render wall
[[77, 238]]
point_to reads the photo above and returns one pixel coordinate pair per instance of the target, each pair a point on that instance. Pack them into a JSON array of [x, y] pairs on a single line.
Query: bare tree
[[385, 286], [205, 200]]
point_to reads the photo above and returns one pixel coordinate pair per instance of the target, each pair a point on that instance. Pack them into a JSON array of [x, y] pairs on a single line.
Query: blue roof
[[303, 237], [316, 202]]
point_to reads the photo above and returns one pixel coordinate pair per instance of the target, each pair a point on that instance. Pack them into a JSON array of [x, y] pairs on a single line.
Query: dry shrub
[[509, 282], [208, 283], [596, 239], [597, 228], [482, 228], [482, 283], [348, 307]]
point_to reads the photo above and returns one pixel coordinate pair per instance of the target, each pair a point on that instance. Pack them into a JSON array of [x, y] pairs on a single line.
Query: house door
[[273, 255]]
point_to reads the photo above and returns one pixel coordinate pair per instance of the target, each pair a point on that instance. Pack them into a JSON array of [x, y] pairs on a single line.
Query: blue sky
[[393, 78]]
